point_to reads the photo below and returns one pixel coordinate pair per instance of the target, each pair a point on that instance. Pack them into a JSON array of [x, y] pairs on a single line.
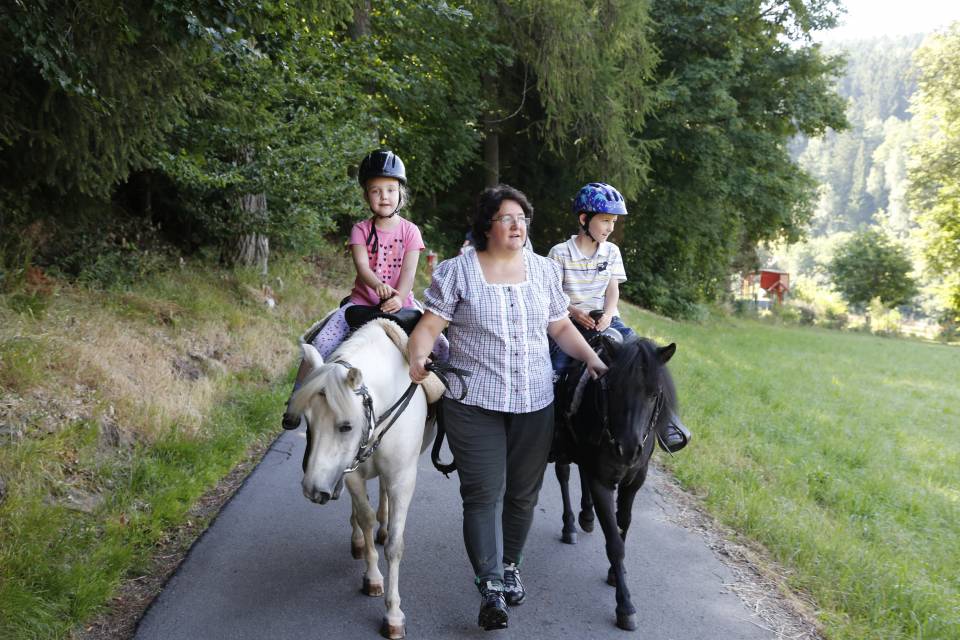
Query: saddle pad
[[432, 385]]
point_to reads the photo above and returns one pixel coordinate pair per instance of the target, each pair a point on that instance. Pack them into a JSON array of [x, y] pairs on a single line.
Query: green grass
[[840, 453], [60, 566]]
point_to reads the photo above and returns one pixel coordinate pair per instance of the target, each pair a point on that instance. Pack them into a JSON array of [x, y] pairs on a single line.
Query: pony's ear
[[665, 353], [354, 378], [311, 356]]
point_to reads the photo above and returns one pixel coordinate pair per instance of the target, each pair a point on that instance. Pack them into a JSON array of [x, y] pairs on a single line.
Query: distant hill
[[863, 169]]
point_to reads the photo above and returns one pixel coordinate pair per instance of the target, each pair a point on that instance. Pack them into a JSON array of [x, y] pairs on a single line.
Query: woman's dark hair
[[487, 206]]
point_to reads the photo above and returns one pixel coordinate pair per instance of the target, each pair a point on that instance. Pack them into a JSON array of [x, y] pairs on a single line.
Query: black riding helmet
[[381, 163]]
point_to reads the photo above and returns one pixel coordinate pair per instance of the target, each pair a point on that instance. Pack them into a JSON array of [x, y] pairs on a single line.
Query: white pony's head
[[333, 411]]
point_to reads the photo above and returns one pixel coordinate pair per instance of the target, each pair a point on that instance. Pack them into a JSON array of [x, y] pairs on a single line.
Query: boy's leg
[[559, 360]]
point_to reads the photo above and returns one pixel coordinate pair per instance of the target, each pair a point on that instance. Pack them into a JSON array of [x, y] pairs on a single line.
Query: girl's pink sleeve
[[413, 240], [358, 235]]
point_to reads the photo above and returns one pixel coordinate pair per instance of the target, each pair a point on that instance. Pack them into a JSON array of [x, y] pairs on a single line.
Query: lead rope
[[442, 370]]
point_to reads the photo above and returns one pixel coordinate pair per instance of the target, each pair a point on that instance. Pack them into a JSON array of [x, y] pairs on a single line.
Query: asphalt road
[[274, 565]]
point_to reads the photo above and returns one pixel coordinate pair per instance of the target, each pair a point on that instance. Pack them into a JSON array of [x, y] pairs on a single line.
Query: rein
[[373, 434]]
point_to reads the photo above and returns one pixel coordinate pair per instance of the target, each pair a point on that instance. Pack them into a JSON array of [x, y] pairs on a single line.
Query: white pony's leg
[[401, 487], [356, 533], [366, 518], [383, 512]]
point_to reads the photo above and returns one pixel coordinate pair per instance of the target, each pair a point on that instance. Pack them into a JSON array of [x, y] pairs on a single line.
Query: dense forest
[[875, 186], [133, 132], [863, 170]]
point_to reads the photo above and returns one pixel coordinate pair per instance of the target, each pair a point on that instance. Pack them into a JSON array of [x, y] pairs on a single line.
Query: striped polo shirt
[[585, 279], [498, 332]]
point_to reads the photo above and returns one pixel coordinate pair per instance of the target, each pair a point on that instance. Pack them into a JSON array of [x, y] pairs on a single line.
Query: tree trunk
[[491, 137], [360, 26], [249, 249]]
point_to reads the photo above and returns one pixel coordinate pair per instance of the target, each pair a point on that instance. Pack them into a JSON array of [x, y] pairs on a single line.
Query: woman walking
[[501, 301]]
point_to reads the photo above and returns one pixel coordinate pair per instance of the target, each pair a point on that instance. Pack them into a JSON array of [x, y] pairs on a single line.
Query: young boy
[[592, 273]]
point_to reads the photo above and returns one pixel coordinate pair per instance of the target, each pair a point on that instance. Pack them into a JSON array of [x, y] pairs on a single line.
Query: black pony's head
[[637, 395]]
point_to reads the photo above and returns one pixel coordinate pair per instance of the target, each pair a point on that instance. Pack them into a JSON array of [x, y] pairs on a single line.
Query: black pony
[[609, 427]]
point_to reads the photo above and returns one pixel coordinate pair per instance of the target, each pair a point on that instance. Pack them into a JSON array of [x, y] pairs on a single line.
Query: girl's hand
[[391, 305], [596, 368], [604, 321], [385, 291], [582, 318], [418, 371]]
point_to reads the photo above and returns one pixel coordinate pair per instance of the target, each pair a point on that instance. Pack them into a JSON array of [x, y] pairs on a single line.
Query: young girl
[[385, 248]]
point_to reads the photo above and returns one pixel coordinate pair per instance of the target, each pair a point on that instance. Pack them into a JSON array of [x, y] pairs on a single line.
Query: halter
[[370, 438]]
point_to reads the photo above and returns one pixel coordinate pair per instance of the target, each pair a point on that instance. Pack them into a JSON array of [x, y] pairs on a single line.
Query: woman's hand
[[385, 291], [418, 369], [391, 305], [582, 318], [604, 321], [596, 368]]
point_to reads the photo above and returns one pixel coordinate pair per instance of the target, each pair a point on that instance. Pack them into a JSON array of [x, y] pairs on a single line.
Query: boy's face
[[601, 225], [383, 195]]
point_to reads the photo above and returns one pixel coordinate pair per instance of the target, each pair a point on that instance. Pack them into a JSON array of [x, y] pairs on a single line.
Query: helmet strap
[[585, 225]]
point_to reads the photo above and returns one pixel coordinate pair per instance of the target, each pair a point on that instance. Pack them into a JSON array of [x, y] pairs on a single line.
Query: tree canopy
[[935, 167], [209, 120], [869, 265]]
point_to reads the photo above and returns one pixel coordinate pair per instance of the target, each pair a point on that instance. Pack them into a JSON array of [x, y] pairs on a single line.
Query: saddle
[[358, 315]]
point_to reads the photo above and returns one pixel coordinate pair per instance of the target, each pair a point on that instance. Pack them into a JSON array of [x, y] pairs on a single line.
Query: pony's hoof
[[393, 631], [381, 536], [627, 621], [356, 550], [372, 589], [585, 521], [569, 537]]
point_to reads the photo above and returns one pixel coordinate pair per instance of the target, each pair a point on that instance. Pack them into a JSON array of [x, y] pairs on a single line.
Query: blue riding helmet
[[598, 197]]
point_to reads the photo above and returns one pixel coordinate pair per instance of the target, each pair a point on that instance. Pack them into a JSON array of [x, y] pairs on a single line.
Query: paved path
[[273, 565]]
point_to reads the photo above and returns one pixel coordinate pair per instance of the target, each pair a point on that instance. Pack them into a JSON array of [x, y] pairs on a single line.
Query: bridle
[[377, 426], [602, 406]]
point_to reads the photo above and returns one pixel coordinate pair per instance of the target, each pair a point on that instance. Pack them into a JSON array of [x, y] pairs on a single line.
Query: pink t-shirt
[[388, 260]]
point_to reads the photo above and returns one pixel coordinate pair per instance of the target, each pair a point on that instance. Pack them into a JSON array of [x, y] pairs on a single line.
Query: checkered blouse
[[499, 331]]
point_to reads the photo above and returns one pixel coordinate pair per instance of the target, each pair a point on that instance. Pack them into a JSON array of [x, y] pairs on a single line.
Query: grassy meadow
[[839, 453]]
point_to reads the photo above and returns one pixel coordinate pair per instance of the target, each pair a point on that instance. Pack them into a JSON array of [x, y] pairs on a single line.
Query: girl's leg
[[332, 334], [529, 436], [478, 441], [441, 348]]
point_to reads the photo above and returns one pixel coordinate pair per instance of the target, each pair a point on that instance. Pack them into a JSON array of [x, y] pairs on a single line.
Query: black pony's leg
[[569, 533], [586, 503], [603, 503], [626, 493], [625, 496]]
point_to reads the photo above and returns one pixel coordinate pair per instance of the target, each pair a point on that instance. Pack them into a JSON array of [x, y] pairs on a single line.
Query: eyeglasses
[[509, 219]]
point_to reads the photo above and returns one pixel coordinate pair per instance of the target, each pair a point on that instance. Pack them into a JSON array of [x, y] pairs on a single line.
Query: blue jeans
[[561, 360]]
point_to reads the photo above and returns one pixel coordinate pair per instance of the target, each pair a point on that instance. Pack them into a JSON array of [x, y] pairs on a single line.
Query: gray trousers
[[500, 460]]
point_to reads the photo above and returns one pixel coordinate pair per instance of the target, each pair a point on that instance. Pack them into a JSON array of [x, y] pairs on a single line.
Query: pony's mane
[[330, 381], [636, 361], [330, 378]]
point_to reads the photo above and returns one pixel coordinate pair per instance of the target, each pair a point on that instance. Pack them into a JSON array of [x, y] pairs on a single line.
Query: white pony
[[341, 401]]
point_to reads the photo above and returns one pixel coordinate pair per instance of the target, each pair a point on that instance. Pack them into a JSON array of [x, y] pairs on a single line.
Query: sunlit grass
[[838, 452]]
